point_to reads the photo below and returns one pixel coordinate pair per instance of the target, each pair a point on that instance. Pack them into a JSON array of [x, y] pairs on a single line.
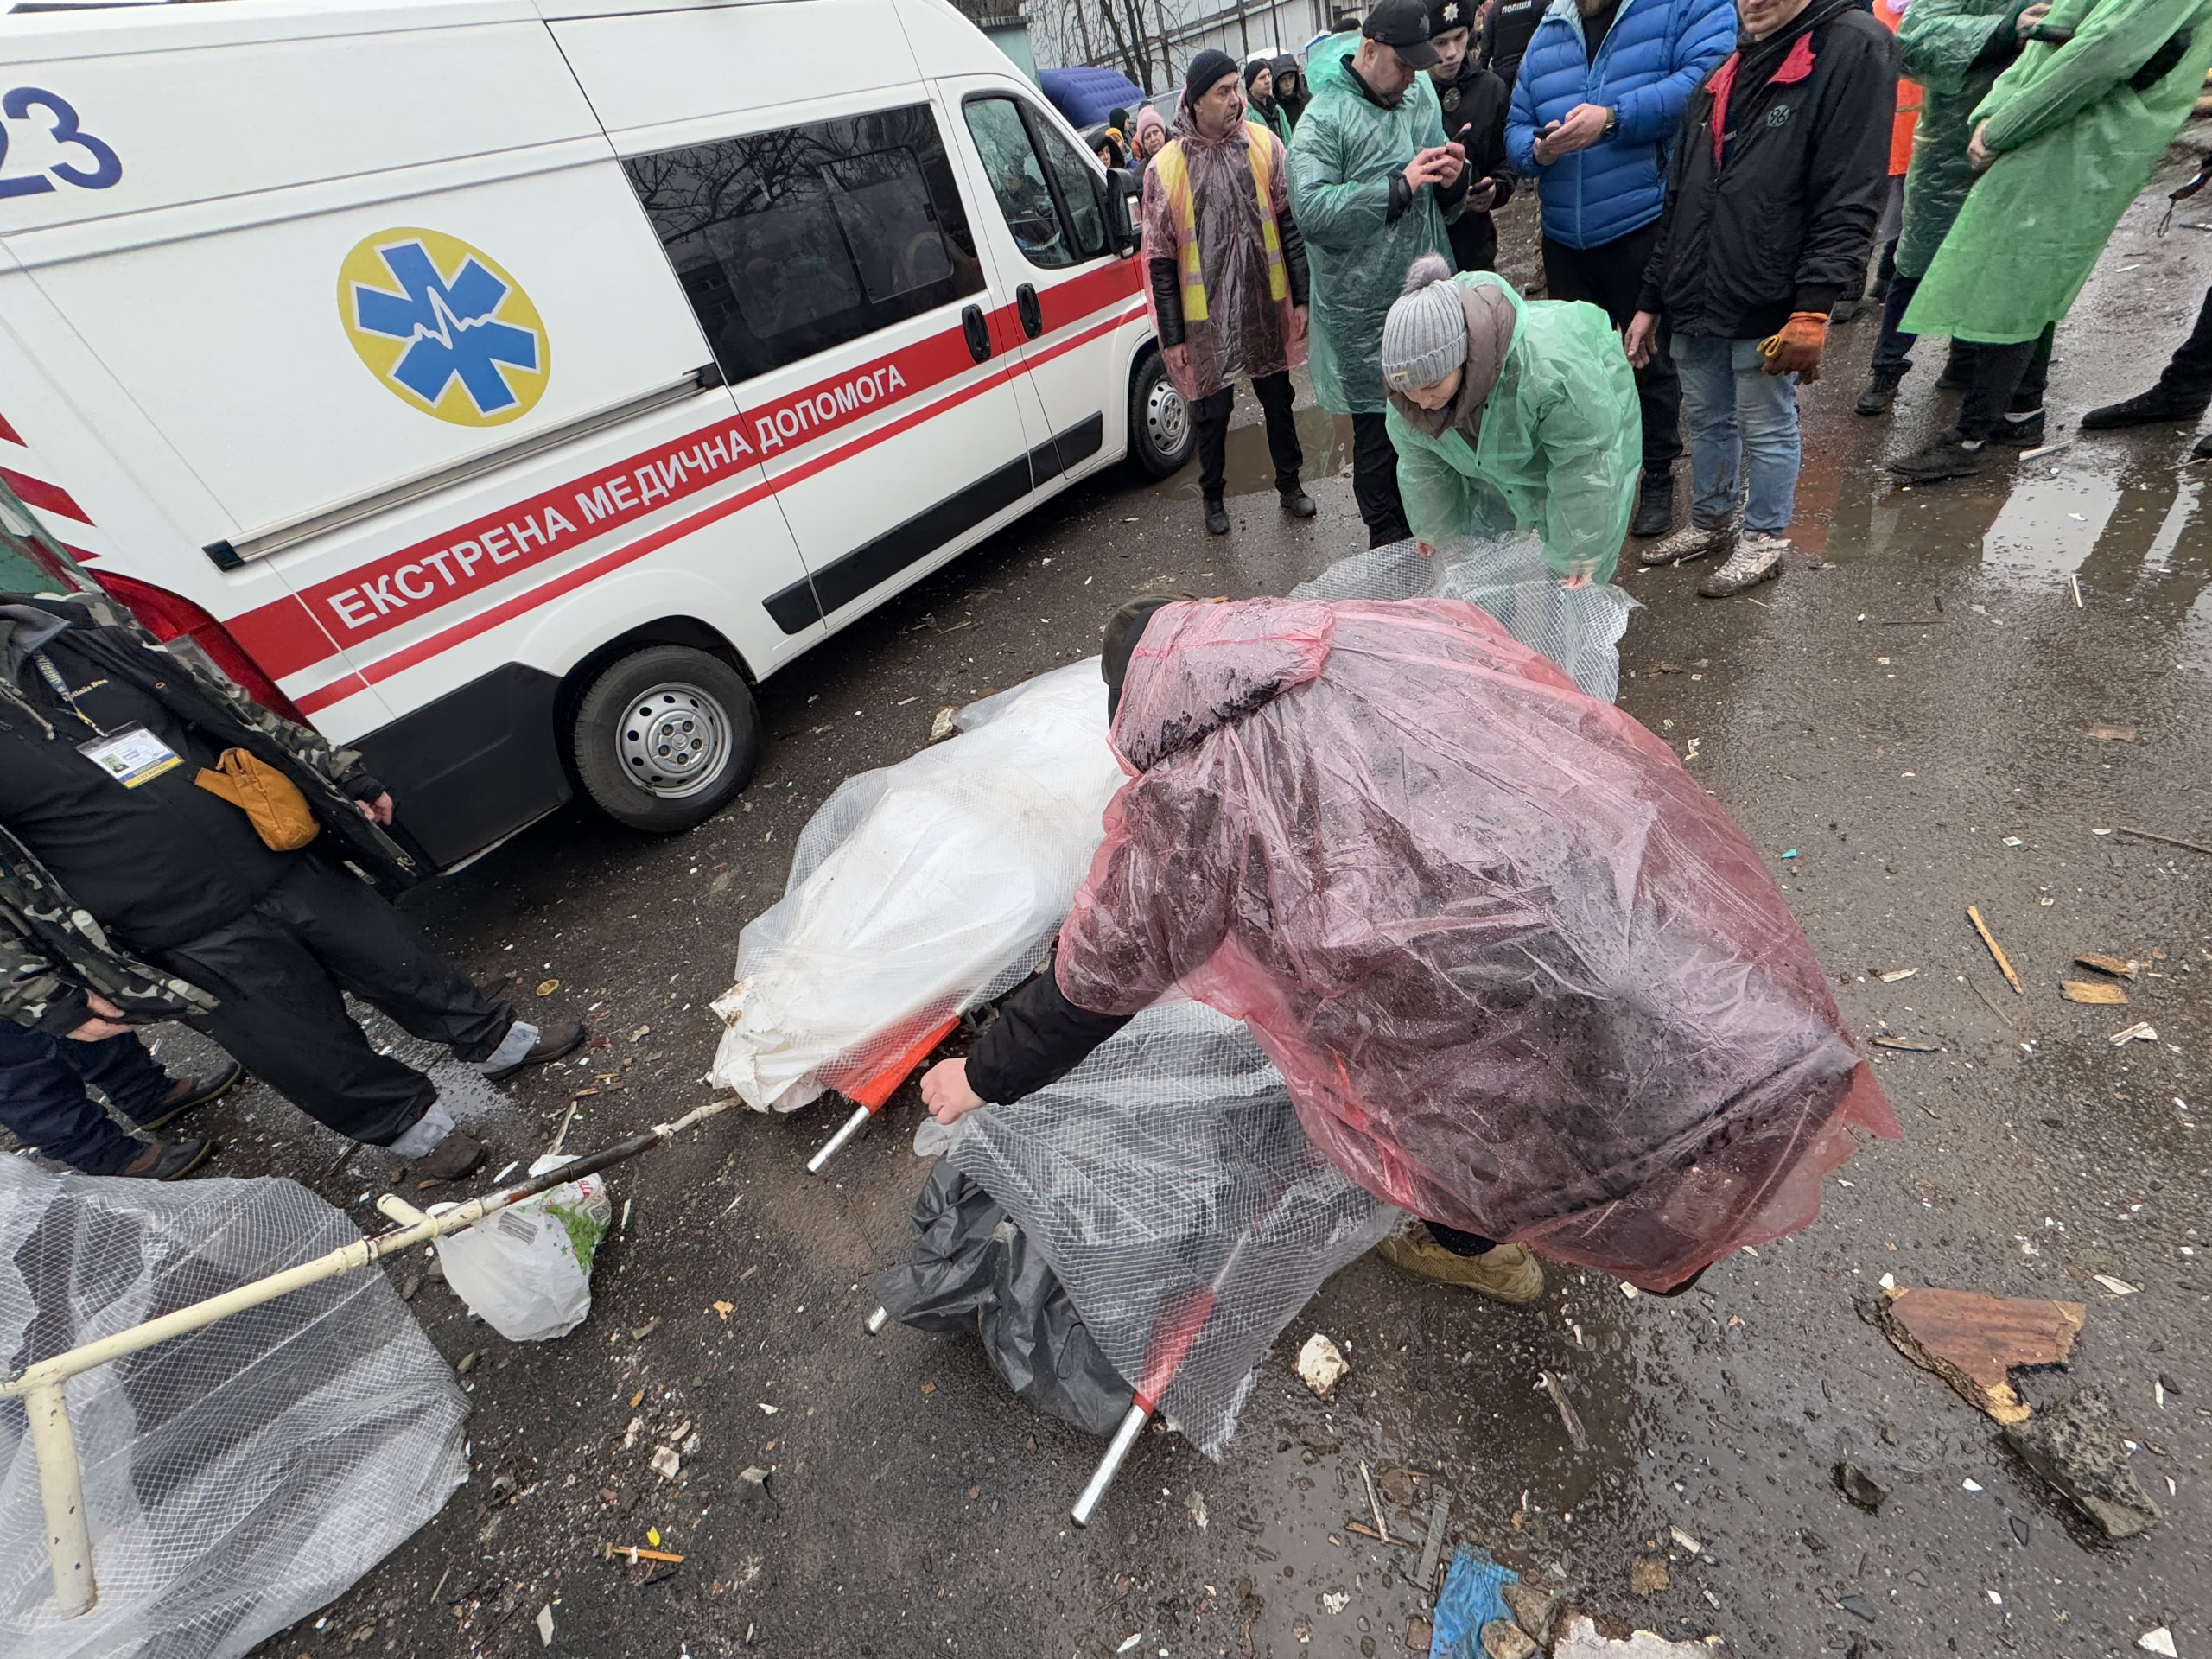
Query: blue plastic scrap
[[1474, 1595]]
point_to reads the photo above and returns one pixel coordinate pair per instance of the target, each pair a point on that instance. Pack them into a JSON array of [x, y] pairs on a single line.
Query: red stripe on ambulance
[[37, 492]]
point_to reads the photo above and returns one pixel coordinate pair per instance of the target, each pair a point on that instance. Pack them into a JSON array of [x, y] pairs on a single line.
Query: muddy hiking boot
[[551, 1042], [1216, 517], [1654, 505], [1691, 542], [189, 1094], [1949, 456], [2145, 409], [168, 1160], [1511, 1273], [1295, 502], [1881, 392], [1758, 558], [459, 1154]]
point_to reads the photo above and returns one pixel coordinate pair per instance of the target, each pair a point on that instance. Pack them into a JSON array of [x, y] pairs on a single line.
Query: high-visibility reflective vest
[[1174, 170]]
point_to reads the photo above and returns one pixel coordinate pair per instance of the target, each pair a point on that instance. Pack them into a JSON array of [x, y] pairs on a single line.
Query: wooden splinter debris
[[1996, 950], [1973, 1341], [2118, 967], [1566, 1412], [1906, 1044], [2092, 991], [1382, 1527]]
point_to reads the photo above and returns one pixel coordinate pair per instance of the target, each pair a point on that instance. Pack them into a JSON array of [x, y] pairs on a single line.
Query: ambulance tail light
[[168, 617]]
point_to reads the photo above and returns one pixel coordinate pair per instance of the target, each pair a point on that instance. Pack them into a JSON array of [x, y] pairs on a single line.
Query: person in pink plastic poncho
[[1524, 977]]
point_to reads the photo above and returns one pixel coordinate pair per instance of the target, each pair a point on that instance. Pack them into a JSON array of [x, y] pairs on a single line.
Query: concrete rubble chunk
[[1972, 1342], [1503, 1639], [2077, 1450], [1534, 1608], [1320, 1365], [1583, 1641], [1861, 1488]]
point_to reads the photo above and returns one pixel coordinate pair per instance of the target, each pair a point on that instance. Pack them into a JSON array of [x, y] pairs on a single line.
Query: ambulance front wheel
[[1161, 436], [666, 737]]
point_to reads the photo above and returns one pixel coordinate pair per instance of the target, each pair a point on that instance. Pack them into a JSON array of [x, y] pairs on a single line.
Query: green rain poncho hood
[[1341, 158], [1938, 42], [1561, 441], [2074, 144]]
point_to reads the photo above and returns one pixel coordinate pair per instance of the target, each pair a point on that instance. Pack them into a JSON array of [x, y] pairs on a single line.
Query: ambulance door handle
[[1032, 314], [978, 332]]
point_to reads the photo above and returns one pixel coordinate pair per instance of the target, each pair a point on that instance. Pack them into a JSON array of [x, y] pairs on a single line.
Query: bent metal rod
[[69, 1545]]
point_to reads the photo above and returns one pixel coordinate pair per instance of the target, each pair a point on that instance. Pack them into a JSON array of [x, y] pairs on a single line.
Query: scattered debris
[[2097, 991], [1534, 1608], [1566, 1409], [664, 1462], [1647, 1575], [2117, 1286], [1333, 1601], [1432, 1551], [2170, 841], [1896, 974], [1503, 1639], [2160, 1640], [2141, 1031], [1138, 1637], [545, 1625], [2104, 965], [1382, 1527], [1366, 1531], [1690, 1546], [1320, 1365], [547, 987], [1997, 950], [941, 728], [1972, 1342], [1583, 1641], [633, 1553], [1861, 1488], [1195, 1505], [2113, 734], [1906, 1045], [2077, 1450]]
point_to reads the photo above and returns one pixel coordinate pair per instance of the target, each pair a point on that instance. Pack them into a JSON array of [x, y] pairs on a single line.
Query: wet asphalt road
[[1914, 720]]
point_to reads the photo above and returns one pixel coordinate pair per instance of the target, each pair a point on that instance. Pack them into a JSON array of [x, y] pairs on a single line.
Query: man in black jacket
[[132, 892], [1507, 27], [1474, 98], [1796, 122]]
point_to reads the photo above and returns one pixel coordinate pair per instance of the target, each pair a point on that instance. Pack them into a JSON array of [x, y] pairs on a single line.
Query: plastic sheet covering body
[[919, 889], [1578, 628], [236, 1477], [1167, 1182], [1523, 975]]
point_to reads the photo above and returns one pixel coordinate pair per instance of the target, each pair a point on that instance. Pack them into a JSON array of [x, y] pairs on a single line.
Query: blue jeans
[[43, 1103], [1737, 413]]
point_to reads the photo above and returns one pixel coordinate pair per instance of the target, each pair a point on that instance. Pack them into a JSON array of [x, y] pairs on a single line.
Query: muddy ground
[[1930, 718]]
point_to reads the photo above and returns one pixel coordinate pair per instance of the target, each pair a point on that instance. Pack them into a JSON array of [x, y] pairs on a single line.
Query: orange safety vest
[[1175, 179], [1908, 113]]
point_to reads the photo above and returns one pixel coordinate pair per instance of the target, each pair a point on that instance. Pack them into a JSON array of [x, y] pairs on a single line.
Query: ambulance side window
[[792, 242], [1048, 192]]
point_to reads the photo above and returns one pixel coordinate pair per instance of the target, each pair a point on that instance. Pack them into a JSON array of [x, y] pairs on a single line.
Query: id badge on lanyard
[[130, 754]]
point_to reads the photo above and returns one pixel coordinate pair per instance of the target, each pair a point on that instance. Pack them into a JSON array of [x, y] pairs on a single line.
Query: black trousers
[[1457, 1242], [279, 970], [1375, 481], [2009, 377], [1610, 278], [2190, 374], [43, 1103], [1210, 415]]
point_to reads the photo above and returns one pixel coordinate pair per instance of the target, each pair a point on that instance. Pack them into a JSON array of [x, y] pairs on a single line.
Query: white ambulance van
[[506, 385]]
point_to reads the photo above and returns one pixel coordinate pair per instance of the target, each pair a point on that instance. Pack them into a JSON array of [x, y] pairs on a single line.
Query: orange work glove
[[1797, 347]]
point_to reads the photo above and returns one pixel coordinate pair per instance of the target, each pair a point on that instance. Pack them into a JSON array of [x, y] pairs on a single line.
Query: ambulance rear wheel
[[666, 737], [1161, 436]]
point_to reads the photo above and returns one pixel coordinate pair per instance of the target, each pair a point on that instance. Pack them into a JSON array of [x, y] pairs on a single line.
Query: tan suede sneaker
[[1511, 1273]]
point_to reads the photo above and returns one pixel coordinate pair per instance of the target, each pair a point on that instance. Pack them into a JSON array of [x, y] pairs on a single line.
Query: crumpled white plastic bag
[[919, 890], [525, 1270]]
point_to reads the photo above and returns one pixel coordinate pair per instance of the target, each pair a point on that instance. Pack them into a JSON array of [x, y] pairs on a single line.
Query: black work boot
[[1216, 517], [1948, 456], [1295, 502], [2145, 409], [1655, 504], [2023, 430], [1881, 392]]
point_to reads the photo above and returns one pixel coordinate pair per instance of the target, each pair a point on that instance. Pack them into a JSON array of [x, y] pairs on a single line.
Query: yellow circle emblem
[[444, 326]]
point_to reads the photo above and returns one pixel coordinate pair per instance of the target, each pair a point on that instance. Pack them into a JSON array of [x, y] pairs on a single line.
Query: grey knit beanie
[[1425, 336]]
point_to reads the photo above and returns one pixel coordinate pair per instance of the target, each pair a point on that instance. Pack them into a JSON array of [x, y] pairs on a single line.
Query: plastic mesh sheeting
[[917, 891], [1171, 1189], [235, 1479], [1578, 628]]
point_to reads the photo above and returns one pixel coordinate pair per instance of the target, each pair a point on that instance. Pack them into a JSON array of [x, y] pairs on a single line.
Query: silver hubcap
[[1166, 418], [675, 741]]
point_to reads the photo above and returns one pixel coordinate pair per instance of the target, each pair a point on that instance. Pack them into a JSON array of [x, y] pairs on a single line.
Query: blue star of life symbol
[[448, 327]]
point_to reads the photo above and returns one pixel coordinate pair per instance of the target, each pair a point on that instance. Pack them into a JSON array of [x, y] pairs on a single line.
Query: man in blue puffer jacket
[[1600, 93]]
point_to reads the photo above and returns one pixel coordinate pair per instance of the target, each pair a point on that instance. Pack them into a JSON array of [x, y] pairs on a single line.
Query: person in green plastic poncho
[[1508, 411], [2065, 139], [1372, 185]]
